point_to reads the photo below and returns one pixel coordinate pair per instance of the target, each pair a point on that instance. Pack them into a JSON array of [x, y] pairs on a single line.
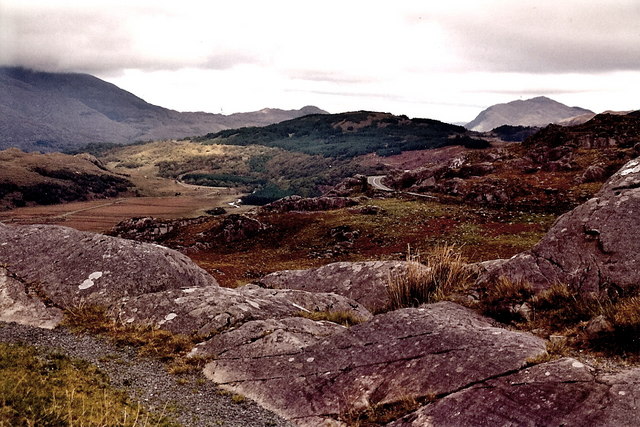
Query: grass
[[561, 311], [53, 390], [170, 348], [381, 414], [442, 274], [341, 317]]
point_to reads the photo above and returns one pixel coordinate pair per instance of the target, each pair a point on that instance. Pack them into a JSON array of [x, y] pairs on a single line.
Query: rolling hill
[[351, 134], [539, 111], [42, 111]]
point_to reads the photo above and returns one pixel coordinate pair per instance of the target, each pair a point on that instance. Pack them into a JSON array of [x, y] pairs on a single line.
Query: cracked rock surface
[[593, 248], [435, 349], [67, 266], [563, 392], [208, 310], [365, 282]]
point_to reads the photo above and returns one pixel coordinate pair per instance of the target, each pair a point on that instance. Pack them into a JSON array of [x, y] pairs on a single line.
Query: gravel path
[[193, 400]]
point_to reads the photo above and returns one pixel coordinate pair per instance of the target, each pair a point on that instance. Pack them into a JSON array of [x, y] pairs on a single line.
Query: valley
[[349, 269]]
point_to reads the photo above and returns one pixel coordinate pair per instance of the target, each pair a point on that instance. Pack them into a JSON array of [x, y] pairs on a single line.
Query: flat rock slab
[[365, 282], [18, 305], [208, 310], [593, 247], [68, 265], [563, 392], [435, 349], [271, 337]]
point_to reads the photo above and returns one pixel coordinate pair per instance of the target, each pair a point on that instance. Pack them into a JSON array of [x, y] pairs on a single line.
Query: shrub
[[442, 273]]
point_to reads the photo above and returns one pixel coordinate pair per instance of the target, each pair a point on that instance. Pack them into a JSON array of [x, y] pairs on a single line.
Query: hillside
[[539, 111], [351, 134], [45, 179], [42, 111], [552, 170]]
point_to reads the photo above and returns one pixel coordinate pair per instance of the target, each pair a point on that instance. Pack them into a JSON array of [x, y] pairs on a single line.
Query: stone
[[562, 392], [19, 306], [270, 337], [68, 266], [364, 282], [408, 353], [594, 248], [205, 311]]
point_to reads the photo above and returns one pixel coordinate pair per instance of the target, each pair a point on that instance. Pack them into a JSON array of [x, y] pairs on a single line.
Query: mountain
[[539, 111], [42, 111], [351, 134]]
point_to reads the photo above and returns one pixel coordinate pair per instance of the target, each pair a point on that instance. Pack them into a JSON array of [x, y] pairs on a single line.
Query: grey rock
[[270, 337], [68, 266], [562, 392], [594, 248], [365, 282], [17, 305], [438, 348], [205, 311], [597, 327]]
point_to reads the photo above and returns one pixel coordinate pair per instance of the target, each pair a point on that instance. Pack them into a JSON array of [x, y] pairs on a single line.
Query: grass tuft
[[341, 317], [382, 414], [443, 272], [149, 340]]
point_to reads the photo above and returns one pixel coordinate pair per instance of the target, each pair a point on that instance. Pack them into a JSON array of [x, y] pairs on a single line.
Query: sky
[[444, 60]]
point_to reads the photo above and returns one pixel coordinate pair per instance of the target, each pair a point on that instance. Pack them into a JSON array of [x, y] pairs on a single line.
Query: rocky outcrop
[[594, 248], [409, 353], [18, 304], [297, 203], [365, 282], [67, 266], [207, 310], [270, 337], [563, 392]]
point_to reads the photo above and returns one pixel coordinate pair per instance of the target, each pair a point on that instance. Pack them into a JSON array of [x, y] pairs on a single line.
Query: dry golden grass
[[382, 414], [442, 273], [150, 341], [341, 317], [39, 389]]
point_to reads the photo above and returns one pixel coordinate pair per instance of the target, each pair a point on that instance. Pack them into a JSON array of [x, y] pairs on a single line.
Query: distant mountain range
[[539, 111], [41, 111]]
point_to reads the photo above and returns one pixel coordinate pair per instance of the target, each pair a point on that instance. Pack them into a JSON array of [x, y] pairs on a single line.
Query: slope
[[538, 111], [55, 111]]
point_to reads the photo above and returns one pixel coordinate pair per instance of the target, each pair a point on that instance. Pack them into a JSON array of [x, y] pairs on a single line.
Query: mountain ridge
[[539, 111], [44, 111]]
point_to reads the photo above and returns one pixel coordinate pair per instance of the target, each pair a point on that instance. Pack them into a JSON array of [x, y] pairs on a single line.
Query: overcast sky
[[444, 61]]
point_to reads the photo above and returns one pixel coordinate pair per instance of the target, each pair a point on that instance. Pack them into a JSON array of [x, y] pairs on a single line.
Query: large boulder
[[205, 311], [408, 353], [593, 248], [365, 282], [563, 392], [67, 266], [270, 337], [19, 304]]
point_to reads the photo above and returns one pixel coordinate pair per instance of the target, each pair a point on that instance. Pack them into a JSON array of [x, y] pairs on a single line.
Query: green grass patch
[[53, 390]]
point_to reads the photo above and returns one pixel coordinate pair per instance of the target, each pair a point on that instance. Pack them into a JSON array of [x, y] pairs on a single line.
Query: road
[[376, 183]]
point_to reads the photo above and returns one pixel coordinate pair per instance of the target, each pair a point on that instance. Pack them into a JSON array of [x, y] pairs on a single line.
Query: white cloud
[[446, 60]]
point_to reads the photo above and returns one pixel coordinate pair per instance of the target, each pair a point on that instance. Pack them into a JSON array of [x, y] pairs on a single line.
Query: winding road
[[376, 183]]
